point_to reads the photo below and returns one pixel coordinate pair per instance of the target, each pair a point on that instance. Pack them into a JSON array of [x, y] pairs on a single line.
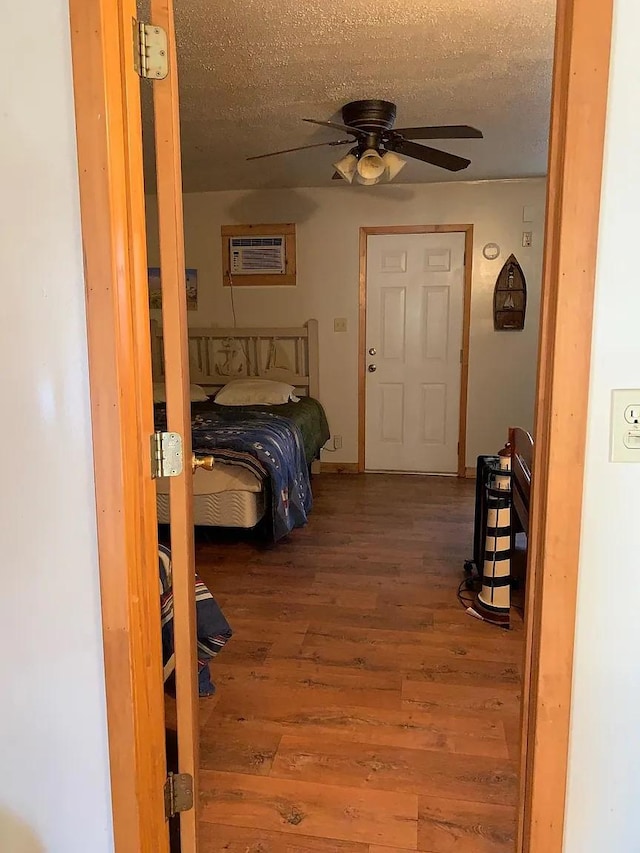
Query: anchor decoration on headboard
[[231, 359], [510, 297]]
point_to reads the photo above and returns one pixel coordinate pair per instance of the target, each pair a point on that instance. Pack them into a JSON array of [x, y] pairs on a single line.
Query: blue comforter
[[269, 445]]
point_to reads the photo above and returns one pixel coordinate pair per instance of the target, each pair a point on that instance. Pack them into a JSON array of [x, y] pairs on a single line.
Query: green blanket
[[308, 414]]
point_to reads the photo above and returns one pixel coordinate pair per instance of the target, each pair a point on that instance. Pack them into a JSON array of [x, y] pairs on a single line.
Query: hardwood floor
[[359, 709]]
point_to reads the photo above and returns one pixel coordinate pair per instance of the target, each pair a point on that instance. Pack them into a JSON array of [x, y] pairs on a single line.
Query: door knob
[[204, 462], [372, 368], [372, 351]]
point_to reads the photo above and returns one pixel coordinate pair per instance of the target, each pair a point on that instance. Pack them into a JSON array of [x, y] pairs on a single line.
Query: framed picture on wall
[[155, 288]]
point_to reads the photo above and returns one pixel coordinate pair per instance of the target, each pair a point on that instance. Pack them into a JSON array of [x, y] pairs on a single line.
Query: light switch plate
[[625, 425], [340, 324]]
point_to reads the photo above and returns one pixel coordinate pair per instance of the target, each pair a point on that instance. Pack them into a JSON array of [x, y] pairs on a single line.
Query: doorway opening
[[581, 70]]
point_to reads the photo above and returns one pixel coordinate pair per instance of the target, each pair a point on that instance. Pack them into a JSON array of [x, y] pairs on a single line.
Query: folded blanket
[[212, 629]]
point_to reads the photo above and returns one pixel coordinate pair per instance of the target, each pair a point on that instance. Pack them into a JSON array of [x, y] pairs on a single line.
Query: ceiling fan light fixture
[[371, 167], [393, 163], [346, 167]]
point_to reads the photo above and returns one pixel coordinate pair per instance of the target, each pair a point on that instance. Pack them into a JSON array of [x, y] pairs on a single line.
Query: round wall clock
[[491, 251]]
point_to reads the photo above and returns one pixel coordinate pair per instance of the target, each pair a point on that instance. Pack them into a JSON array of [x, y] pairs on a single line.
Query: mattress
[[228, 496]]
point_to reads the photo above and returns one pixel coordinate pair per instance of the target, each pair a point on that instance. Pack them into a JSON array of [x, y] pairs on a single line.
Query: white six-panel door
[[415, 304]]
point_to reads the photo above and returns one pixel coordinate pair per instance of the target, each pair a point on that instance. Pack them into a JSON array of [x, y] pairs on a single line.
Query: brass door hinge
[[178, 794], [150, 56], [166, 454]]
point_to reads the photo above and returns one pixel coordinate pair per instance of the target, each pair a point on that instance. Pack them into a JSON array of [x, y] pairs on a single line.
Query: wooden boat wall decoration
[[510, 297]]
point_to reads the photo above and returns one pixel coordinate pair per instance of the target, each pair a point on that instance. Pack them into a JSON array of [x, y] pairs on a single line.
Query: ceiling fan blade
[[334, 125], [445, 131], [430, 155], [301, 148]]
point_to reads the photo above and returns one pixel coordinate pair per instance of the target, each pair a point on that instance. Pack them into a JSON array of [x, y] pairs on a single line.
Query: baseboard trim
[[339, 467], [352, 468]]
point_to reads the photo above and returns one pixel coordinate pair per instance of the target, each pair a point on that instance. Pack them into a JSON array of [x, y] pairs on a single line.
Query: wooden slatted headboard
[[218, 355]]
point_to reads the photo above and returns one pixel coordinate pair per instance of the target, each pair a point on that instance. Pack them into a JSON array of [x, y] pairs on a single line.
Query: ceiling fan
[[378, 146]]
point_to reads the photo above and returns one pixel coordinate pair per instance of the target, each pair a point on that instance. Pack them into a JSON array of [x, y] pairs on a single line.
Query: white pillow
[[197, 394], [248, 392]]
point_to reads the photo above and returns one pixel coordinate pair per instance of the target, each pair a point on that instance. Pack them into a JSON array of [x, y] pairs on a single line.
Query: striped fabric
[[212, 629]]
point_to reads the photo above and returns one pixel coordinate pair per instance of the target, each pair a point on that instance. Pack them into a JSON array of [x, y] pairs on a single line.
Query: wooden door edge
[[176, 378], [383, 230], [578, 122], [112, 219]]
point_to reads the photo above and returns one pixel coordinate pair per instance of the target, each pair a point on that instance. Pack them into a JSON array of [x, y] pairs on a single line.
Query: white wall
[[54, 782], [503, 364], [604, 787]]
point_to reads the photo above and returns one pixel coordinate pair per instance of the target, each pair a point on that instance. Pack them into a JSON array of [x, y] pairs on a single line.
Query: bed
[[244, 485]]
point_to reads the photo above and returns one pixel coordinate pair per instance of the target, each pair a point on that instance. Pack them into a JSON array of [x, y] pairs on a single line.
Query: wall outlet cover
[[625, 429], [340, 324]]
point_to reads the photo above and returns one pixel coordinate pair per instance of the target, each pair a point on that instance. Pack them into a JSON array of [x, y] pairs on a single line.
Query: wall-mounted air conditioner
[[257, 255]]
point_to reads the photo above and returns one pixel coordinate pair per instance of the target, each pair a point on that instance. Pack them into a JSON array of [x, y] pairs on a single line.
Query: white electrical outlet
[[527, 239], [632, 414], [337, 442], [625, 426], [340, 324]]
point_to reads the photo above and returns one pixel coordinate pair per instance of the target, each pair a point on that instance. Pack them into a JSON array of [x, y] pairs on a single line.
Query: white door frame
[[365, 233]]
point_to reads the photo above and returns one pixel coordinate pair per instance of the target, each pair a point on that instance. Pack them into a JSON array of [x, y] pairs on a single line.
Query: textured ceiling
[[251, 70]]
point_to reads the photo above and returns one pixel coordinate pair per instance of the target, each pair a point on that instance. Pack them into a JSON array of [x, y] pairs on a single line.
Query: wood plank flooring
[[359, 709]]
